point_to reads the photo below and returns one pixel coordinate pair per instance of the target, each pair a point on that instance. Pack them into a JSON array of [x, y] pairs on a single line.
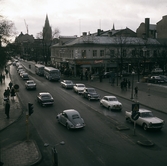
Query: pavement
[[27, 153]]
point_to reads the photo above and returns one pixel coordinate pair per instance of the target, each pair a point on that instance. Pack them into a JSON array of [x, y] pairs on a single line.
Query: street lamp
[[133, 73], [54, 152]]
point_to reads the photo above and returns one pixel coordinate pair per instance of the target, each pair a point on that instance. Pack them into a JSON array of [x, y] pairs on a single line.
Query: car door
[[105, 102], [64, 118]]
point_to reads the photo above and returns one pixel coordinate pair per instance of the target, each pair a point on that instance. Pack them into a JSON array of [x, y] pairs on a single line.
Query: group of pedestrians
[[125, 84], [10, 91]]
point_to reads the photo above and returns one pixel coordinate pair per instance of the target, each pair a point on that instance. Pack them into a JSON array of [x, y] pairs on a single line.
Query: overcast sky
[[72, 17]]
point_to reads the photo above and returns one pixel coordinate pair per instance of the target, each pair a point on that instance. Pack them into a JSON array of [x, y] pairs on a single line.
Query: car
[[45, 98], [111, 102], [157, 70], [155, 79], [21, 72], [78, 88], [146, 119], [25, 76], [90, 94], [30, 84], [163, 77], [71, 119], [68, 84]]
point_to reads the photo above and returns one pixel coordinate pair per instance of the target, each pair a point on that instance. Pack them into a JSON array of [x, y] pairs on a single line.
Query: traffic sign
[[135, 115], [135, 107]]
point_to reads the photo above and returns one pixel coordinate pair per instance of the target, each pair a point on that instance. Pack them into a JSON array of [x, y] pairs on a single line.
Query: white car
[[79, 88], [146, 119], [30, 84], [157, 70], [111, 102]]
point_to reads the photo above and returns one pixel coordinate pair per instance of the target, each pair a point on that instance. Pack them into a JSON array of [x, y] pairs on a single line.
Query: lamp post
[[132, 84], [54, 152]]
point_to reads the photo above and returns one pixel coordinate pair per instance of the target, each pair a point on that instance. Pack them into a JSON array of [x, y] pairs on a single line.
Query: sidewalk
[[22, 153]]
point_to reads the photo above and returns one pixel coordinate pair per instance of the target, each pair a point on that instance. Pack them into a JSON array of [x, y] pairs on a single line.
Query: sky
[[72, 17]]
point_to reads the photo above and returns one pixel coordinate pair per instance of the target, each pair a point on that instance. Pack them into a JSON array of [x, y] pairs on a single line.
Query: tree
[[7, 30]]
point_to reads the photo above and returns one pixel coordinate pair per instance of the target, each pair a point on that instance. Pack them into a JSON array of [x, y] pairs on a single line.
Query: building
[[104, 50]]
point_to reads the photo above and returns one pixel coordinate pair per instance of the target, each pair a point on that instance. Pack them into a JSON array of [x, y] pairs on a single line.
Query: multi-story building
[[105, 50]]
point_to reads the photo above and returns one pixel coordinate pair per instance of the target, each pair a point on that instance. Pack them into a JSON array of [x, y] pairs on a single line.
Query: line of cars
[[110, 102], [146, 118]]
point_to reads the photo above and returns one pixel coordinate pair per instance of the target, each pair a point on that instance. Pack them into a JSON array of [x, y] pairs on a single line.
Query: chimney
[[147, 24], [84, 34]]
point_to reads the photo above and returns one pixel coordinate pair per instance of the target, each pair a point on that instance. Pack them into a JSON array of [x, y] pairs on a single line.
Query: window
[[94, 53], [101, 53], [112, 53], [83, 53], [124, 53]]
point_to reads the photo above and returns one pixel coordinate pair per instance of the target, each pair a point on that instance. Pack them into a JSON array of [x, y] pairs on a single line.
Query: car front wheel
[[145, 127]]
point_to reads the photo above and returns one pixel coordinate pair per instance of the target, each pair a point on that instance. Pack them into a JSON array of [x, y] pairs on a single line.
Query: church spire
[[47, 30], [113, 28]]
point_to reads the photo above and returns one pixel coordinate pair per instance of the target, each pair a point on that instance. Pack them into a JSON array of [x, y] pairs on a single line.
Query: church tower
[[47, 31]]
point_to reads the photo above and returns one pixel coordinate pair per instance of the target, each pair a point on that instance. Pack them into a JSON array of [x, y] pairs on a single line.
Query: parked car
[[78, 88], [163, 78], [155, 79], [45, 98], [21, 72], [25, 76], [157, 70], [146, 119], [71, 119], [68, 84], [30, 84], [91, 94], [111, 102]]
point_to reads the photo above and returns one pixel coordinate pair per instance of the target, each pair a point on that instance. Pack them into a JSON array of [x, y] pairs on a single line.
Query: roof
[[144, 110], [111, 40], [70, 111]]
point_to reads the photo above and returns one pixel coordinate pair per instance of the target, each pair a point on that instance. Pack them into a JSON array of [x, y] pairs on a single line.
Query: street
[[100, 143]]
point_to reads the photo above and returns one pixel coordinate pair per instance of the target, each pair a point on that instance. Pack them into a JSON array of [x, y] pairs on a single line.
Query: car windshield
[[92, 91], [75, 116], [81, 86], [46, 97], [30, 82], [146, 114], [112, 99], [68, 82]]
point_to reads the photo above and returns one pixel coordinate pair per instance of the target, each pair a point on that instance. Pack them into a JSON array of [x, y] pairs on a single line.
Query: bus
[[52, 73], [39, 69]]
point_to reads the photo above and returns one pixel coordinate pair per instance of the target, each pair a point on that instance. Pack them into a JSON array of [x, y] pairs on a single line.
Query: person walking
[[136, 92], [7, 109], [10, 85], [13, 93]]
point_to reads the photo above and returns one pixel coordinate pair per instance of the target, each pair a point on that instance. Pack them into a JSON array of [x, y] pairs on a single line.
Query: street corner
[[27, 151]]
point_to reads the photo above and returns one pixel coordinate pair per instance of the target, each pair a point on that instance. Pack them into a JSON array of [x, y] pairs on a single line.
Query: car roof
[[79, 84], [30, 81], [70, 112], [110, 96], [144, 110], [44, 93]]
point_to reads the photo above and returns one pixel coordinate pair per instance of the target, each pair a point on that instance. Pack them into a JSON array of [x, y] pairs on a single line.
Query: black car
[[91, 94], [45, 98], [155, 79]]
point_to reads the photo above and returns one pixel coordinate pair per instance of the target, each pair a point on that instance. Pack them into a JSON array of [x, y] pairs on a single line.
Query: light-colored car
[[79, 88], [111, 102], [71, 119], [30, 84], [68, 84], [157, 70], [146, 119], [45, 98]]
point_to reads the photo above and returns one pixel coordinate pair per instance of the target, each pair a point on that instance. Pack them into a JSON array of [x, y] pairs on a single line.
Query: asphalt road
[[100, 143]]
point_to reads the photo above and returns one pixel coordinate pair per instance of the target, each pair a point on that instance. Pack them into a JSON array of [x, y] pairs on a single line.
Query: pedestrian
[[1, 78], [136, 92], [129, 84], [12, 93], [10, 85], [7, 109]]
